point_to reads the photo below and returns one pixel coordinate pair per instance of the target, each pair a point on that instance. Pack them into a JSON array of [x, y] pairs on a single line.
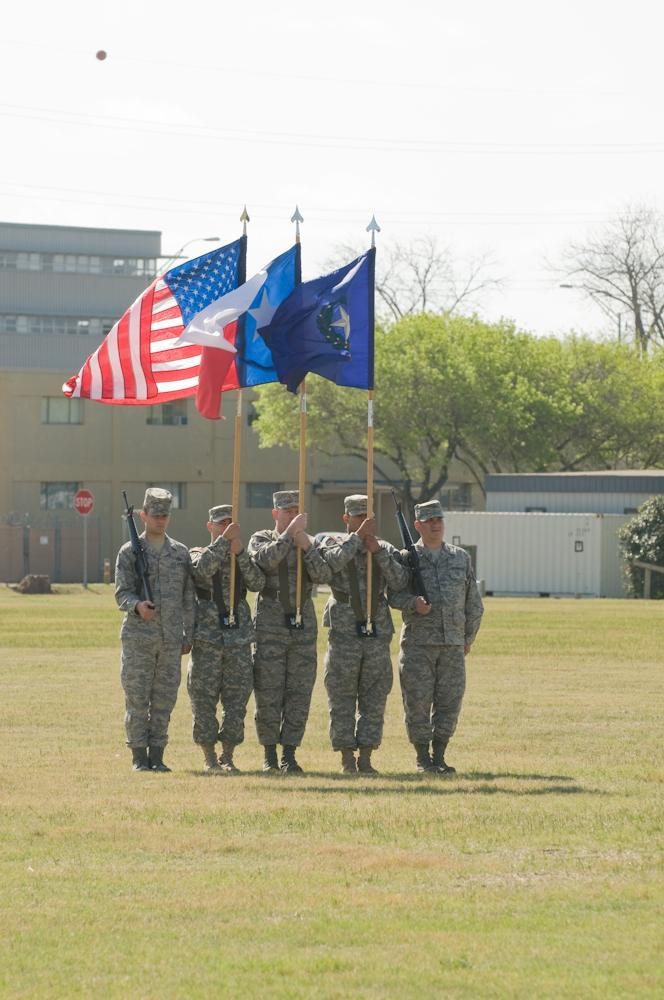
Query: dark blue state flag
[[326, 326]]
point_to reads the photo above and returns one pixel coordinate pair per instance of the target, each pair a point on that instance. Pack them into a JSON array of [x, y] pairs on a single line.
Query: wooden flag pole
[[235, 501], [372, 228], [297, 219], [235, 496]]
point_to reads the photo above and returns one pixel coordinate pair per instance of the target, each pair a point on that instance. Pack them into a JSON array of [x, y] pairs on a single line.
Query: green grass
[[536, 873]]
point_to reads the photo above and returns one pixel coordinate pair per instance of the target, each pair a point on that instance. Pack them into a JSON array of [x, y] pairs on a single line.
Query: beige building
[[50, 321]]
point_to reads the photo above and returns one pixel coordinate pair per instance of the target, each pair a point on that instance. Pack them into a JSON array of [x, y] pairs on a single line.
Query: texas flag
[[234, 353]]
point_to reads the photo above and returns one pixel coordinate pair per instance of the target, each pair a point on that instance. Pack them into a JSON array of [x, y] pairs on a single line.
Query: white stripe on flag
[[187, 383], [161, 307], [135, 350], [164, 324], [95, 377], [178, 365], [114, 361]]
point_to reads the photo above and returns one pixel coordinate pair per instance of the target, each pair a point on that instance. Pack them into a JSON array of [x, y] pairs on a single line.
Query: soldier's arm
[[474, 608], [396, 574], [317, 569], [188, 605], [253, 575], [338, 552], [127, 583], [402, 598], [206, 561], [266, 551]]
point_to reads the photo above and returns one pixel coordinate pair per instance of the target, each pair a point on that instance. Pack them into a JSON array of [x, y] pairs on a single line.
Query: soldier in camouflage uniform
[[285, 661], [435, 639], [154, 635], [358, 667], [220, 668]]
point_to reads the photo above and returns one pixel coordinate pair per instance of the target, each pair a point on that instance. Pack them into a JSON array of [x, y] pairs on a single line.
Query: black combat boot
[[226, 758], [270, 761], [288, 763], [438, 757], [156, 756], [139, 756], [348, 762], [364, 765], [424, 762]]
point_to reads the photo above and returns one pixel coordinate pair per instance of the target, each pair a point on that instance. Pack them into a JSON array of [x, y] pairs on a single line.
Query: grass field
[[535, 873]]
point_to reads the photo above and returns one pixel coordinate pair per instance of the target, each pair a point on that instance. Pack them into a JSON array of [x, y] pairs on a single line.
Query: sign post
[[84, 502]]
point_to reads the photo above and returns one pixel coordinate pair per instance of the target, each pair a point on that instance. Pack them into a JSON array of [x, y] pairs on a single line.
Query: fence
[[53, 546]]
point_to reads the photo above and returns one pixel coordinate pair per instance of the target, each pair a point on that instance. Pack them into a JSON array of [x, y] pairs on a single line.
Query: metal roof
[[607, 481]]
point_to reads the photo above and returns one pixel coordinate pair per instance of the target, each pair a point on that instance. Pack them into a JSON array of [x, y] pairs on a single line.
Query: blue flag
[[254, 362], [327, 326]]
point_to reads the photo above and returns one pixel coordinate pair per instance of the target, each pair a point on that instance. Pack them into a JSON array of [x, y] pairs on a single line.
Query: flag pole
[[237, 454], [372, 228], [302, 392]]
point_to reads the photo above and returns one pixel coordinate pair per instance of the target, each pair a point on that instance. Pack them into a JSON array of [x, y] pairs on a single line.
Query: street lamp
[[598, 302], [180, 252]]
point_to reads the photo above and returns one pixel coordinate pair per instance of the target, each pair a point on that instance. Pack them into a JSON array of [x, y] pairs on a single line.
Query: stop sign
[[84, 501]]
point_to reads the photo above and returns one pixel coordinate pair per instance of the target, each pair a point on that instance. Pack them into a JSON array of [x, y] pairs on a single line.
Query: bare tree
[[420, 277], [621, 268]]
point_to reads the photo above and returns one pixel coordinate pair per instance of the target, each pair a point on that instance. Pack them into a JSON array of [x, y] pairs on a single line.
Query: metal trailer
[[542, 554]]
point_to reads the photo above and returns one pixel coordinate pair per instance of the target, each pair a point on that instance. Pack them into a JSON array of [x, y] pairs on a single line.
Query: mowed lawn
[[535, 873]]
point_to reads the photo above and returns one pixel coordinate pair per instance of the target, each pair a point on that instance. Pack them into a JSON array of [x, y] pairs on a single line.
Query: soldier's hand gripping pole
[[413, 558], [139, 553]]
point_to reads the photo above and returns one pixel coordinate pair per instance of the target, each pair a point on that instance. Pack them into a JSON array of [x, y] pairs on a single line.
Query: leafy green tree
[[642, 540], [617, 398], [447, 387], [491, 397]]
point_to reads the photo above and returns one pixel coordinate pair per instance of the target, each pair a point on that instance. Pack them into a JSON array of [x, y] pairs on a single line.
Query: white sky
[[504, 125]]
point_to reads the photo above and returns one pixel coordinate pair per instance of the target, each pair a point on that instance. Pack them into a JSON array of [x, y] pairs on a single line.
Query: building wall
[[532, 554]]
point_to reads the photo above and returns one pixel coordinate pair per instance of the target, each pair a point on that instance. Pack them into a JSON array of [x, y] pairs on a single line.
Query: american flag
[[137, 363]]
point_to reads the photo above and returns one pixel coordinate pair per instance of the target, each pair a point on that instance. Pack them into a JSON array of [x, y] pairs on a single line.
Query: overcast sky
[[509, 127]]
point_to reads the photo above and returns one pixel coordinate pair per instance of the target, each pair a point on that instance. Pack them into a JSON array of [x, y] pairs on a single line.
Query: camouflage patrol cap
[[425, 511], [286, 499], [222, 512], [356, 504], [157, 501]]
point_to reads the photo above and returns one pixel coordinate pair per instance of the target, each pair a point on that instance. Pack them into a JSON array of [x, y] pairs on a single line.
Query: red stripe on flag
[[146, 336], [217, 369], [124, 350]]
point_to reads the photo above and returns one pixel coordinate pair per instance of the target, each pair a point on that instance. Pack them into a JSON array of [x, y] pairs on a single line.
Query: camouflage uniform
[[358, 670], [285, 660], [220, 668], [152, 650], [431, 661]]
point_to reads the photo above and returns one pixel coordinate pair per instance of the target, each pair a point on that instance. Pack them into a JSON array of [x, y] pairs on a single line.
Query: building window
[[172, 414], [82, 263], [179, 491], [60, 410], [456, 497], [57, 496], [630, 510], [260, 494], [535, 510]]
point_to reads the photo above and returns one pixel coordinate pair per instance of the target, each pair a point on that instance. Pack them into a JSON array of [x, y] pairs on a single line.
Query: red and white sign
[[84, 501]]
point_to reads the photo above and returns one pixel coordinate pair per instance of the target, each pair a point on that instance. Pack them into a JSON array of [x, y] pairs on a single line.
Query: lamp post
[[602, 306], [180, 253]]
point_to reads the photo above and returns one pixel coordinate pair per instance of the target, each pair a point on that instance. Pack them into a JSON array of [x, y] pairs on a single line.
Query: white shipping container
[[561, 554]]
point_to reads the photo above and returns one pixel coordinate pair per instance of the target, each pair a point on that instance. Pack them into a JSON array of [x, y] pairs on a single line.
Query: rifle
[[139, 553], [413, 557]]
